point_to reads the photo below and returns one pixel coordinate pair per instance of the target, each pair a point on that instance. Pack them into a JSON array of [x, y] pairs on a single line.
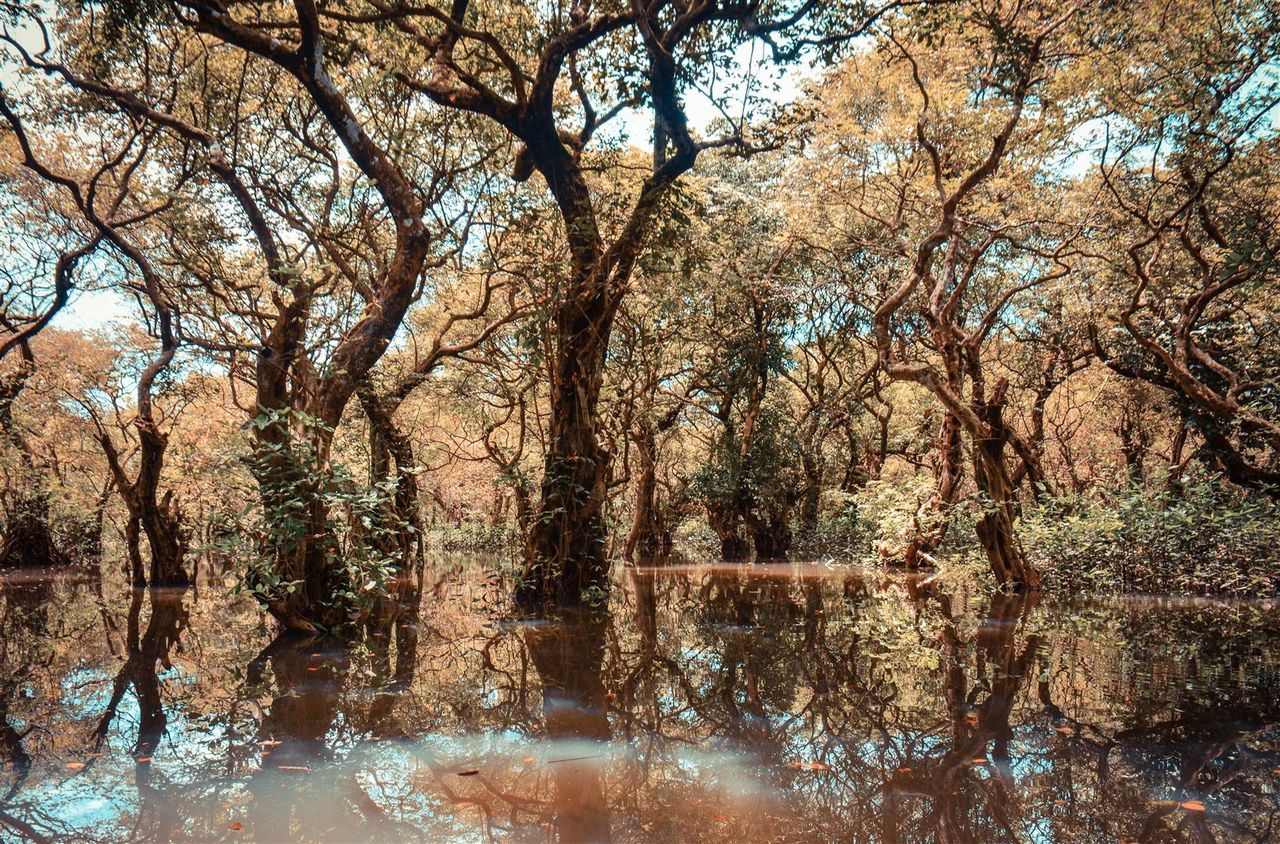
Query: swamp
[[640, 420]]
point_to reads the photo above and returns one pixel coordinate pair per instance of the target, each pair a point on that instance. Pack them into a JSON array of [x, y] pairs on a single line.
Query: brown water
[[780, 703]]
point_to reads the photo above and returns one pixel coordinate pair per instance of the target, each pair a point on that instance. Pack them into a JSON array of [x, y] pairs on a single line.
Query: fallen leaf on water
[[980, 760], [235, 826], [269, 743], [1064, 729], [144, 759], [1192, 806], [527, 760], [905, 769], [74, 766], [718, 818], [467, 773]]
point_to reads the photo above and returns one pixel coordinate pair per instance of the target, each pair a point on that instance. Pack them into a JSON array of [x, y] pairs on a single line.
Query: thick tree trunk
[[726, 522], [770, 533], [991, 473], [565, 558]]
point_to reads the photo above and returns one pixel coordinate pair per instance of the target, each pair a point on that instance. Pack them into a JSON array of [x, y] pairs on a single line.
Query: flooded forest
[[646, 421]]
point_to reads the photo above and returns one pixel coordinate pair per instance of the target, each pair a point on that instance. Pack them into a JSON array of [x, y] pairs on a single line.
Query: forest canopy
[[310, 287]]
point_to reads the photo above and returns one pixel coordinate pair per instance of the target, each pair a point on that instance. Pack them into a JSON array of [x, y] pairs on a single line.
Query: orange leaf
[[74, 766], [1192, 806], [235, 826], [144, 759]]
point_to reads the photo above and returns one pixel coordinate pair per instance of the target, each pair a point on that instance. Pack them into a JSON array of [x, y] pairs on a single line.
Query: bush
[[472, 536], [1203, 538]]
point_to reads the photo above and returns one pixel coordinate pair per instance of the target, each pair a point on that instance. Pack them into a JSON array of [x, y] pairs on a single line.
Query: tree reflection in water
[[790, 703], [568, 653]]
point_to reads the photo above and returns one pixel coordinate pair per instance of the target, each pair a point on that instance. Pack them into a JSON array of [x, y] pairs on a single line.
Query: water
[[777, 703]]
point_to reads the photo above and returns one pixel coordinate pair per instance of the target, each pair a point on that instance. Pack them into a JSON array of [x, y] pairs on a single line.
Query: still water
[[711, 703]]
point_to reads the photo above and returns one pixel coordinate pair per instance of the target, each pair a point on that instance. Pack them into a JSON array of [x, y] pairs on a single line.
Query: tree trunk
[[931, 521], [811, 465], [565, 559], [991, 473], [727, 524], [770, 533], [649, 540], [396, 614]]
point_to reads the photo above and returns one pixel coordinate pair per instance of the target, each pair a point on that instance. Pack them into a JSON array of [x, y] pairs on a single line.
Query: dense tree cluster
[[592, 275]]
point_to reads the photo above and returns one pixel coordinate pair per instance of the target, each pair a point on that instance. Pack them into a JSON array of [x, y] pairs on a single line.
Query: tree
[[943, 202], [1190, 249]]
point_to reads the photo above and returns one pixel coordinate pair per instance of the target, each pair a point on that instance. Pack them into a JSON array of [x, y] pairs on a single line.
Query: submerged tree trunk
[[991, 472], [565, 556], [395, 615], [156, 517], [726, 522], [650, 537], [770, 533]]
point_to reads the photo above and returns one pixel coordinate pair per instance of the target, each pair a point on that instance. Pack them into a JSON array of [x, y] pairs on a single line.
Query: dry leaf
[[235, 826]]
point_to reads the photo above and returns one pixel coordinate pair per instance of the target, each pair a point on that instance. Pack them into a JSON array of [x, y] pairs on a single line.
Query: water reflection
[[786, 702]]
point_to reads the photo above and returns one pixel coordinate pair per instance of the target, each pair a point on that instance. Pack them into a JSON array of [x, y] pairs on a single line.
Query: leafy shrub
[[1205, 537], [473, 536]]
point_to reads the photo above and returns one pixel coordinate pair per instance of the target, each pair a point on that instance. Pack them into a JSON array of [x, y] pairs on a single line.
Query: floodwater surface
[[710, 703]]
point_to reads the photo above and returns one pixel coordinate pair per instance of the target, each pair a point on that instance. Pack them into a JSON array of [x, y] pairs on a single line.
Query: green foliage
[[307, 500], [766, 477], [842, 533], [1205, 537]]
